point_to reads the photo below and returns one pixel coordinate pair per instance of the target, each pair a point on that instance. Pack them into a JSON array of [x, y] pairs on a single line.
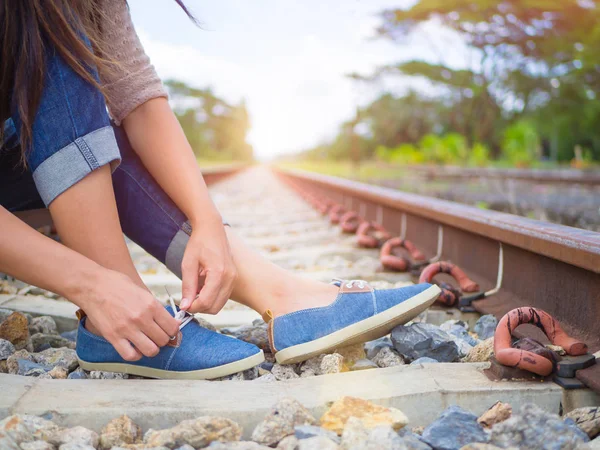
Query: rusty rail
[[548, 266], [590, 177]]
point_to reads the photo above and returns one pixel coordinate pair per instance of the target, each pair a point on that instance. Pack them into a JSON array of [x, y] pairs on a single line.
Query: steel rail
[[552, 267], [589, 177]]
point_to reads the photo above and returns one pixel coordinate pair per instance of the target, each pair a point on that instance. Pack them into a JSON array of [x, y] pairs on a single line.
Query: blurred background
[[491, 103]]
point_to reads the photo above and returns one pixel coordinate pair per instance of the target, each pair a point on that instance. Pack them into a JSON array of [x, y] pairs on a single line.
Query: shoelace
[[350, 283], [182, 315]]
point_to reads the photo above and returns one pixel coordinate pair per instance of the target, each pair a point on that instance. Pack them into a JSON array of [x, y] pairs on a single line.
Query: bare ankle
[[313, 295]]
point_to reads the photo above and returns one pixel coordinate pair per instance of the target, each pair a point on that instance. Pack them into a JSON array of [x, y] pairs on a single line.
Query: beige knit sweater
[[134, 81]]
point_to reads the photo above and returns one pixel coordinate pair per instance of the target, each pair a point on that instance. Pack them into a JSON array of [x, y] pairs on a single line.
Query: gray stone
[[373, 347], [42, 342], [449, 324], [56, 373], [101, 375], [14, 329], [4, 313], [250, 374], [424, 360], [267, 378], [281, 421], [30, 369], [70, 335], [354, 434], [423, 339], [145, 447], [382, 437], [533, 428], [464, 341], [288, 443], [25, 428], [311, 366], [333, 363], [239, 376], [77, 374], [76, 446], [307, 373], [363, 364], [481, 446], [242, 445], [6, 349], [454, 429], [486, 326], [64, 357], [258, 322], [189, 447], [413, 442], [36, 445], [266, 365], [463, 334], [43, 325], [76, 435], [387, 357], [198, 433], [317, 443], [587, 419], [12, 362], [120, 431], [307, 431], [13, 432], [282, 372]]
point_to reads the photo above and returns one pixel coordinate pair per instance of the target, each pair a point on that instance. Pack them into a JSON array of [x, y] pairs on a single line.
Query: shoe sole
[[366, 330], [203, 374]]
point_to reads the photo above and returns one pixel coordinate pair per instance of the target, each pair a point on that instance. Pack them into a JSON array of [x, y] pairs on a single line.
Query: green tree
[[214, 128]]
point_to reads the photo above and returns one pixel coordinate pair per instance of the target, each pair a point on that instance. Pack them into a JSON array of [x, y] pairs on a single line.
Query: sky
[[287, 59]]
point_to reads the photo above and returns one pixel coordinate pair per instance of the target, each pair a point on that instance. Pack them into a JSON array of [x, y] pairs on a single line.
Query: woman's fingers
[[158, 335], [189, 273], [144, 344], [165, 321], [126, 350], [208, 295]]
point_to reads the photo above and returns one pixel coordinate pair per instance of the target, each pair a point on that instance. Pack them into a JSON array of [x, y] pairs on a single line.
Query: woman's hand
[[207, 257], [124, 314], [156, 136]]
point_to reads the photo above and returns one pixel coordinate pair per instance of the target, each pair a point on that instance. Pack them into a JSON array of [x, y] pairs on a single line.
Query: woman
[[89, 134]]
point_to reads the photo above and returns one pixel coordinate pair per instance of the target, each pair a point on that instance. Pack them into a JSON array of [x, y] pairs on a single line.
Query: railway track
[[530, 263], [263, 208], [566, 176]]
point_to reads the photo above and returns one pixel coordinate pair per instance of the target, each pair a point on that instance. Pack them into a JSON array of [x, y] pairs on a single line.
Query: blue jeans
[[73, 136]]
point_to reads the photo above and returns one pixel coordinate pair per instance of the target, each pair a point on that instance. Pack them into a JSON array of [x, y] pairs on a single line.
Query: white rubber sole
[[204, 374], [366, 330]]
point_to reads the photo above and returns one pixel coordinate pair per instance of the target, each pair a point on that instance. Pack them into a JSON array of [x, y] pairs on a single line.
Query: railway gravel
[[289, 232]]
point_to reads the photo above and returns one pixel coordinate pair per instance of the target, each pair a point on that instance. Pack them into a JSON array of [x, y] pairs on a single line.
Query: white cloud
[[288, 61], [294, 103]]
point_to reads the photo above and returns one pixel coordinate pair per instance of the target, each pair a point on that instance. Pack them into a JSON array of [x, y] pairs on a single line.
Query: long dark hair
[[26, 28]]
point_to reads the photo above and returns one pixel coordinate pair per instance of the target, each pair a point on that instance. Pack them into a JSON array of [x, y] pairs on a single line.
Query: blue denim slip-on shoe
[[195, 353], [358, 314]]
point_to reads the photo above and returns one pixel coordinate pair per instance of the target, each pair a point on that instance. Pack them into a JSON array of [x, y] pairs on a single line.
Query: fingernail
[[185, 303]]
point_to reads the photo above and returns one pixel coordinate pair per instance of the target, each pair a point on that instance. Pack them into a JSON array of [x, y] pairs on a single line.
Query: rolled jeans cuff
[[72, 163]]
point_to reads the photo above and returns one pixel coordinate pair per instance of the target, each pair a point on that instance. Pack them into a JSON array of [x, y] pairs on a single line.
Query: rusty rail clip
[[450, 295], [523, 359]]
